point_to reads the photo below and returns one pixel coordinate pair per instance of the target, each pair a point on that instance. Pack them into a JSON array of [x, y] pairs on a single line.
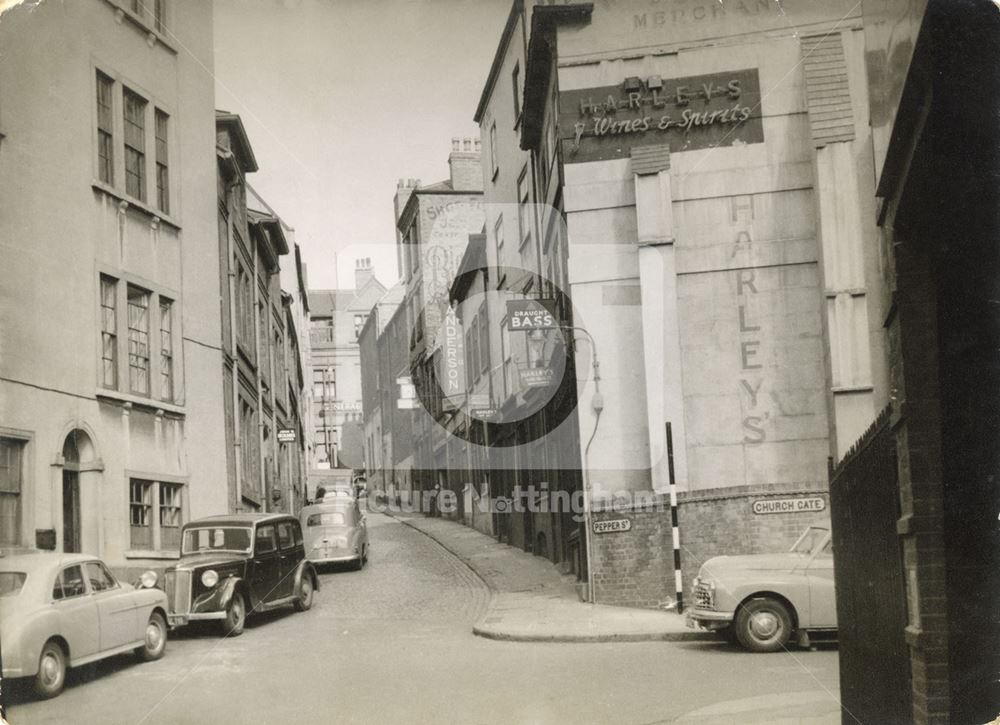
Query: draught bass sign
[[694, 112]]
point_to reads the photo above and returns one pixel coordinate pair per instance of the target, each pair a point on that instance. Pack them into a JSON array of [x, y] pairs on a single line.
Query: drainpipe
[[233, 366]]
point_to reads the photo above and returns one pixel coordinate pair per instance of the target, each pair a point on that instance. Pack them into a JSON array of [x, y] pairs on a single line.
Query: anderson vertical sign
[[694, 112]]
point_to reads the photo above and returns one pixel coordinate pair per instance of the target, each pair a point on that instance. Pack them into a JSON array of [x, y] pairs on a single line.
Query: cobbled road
[[393, 644]]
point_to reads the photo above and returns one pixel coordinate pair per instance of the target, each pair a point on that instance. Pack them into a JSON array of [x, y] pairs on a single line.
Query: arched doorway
[[77, 449]]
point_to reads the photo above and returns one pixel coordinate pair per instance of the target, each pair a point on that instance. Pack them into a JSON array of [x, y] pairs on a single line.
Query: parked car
[[335, 531], [761, 600], [238, 564], [65, 610]]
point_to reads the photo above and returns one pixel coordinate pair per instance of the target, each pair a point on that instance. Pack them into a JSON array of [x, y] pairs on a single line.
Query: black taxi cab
[[235, 565]]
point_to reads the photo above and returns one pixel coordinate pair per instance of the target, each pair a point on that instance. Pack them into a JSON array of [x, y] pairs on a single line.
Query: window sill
[[157, 216], [140, 402], [143, 554], [152, 35]]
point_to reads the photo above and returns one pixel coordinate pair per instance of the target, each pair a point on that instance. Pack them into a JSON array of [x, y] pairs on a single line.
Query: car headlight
[[148, 579], [210, 578], [708, 584]]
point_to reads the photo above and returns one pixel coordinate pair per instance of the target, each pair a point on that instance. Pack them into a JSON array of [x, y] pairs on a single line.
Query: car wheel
[[51, 675], [236, 616], [763, 625], [154, 639], [305, 599]]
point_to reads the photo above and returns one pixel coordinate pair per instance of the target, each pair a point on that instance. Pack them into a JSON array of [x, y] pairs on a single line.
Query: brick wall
[[635, 568], [721, 521]]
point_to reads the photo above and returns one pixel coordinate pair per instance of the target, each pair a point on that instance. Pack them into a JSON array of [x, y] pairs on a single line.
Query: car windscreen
[[201, 539], [810, 541], [330, 518], [11, 582]]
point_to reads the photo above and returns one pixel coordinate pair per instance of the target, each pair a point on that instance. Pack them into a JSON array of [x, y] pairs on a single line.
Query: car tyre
[[51, 677], [729, 634], [236, 616], [305, 598], [154, 639], [763, 625]]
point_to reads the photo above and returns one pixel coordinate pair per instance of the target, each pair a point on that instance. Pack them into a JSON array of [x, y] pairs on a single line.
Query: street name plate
[[789, 505], [612, 525]]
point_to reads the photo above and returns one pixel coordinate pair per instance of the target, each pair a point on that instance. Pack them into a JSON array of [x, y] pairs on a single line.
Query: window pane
[[100, 578], [166, 350], [170, 515], [72, 582], [162, 163], [135, 144], [140, 507], [109, 333], [105, 138], [138, 340], [10, 491], [159, 15]]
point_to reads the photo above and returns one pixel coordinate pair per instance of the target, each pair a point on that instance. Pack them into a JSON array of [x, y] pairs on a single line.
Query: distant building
[[111, 375], [336, 319], [383, 363], [433, 223], [263, 379]]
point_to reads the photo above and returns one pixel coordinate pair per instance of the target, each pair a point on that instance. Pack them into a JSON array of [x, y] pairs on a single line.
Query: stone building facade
[[111, 402]]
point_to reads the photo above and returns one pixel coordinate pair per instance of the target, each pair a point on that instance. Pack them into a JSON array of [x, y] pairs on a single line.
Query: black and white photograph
[[499, 362]]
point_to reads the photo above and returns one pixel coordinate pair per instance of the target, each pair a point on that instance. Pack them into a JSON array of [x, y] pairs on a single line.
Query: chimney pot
[[467, 144], [454, 143]]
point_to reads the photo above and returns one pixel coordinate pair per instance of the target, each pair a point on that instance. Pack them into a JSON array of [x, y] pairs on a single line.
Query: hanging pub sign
[[530, 314], [694, 112]]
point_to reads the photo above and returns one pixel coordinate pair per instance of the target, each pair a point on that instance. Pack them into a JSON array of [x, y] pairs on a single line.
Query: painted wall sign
[[789, 505], [286, 435], [612, 526], [530, 314], [689, 113], [452, 373]]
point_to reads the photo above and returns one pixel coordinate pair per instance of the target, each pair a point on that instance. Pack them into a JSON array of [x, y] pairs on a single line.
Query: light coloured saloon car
[[65, 610], [335, 532], [762, 600]]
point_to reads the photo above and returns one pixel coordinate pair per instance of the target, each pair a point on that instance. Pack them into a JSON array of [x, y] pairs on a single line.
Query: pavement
[[532, 602]]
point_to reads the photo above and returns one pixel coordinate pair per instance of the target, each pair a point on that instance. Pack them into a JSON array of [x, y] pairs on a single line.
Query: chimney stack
[[363, 271], [464, 165]]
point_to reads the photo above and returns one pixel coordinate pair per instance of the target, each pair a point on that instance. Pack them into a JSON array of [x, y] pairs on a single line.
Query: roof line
[[491, 79]]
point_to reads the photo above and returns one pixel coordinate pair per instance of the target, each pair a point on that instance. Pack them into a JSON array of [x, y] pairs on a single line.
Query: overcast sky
[[340, 99]]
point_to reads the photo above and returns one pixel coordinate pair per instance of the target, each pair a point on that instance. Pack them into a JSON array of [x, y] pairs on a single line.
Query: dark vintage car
[[239, 564]]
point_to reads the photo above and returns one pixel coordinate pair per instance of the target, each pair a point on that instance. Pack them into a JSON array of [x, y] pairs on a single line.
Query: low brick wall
[[635, 568], [722, 521]]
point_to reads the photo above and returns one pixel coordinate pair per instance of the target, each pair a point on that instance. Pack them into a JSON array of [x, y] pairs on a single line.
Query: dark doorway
[[71, 511]]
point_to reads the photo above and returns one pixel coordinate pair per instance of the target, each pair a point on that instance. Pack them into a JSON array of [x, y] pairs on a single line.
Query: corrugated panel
[[828, 96], [650, 159]]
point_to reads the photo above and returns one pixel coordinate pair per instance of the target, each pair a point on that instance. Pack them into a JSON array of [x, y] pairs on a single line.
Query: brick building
[[263, 380], [935, 164]]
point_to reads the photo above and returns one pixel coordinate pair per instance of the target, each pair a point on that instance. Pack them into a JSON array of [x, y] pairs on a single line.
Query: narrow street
[[393, 643]]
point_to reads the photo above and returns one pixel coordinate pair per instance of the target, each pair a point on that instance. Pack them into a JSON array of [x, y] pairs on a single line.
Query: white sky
[[340, 99]]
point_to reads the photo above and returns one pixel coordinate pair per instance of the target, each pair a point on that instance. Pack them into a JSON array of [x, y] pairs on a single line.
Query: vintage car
[[238, 564], [335, 532], [761, 600], [65, 610]]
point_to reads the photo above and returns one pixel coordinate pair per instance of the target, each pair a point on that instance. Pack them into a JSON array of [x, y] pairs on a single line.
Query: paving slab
[[532, 602]]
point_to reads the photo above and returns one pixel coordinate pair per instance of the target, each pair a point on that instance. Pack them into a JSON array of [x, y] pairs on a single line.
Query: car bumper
[[334, 558], [179, 620], [704, 619]]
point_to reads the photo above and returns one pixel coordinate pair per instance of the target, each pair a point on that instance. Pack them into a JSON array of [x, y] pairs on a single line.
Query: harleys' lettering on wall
[[688, 113]]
